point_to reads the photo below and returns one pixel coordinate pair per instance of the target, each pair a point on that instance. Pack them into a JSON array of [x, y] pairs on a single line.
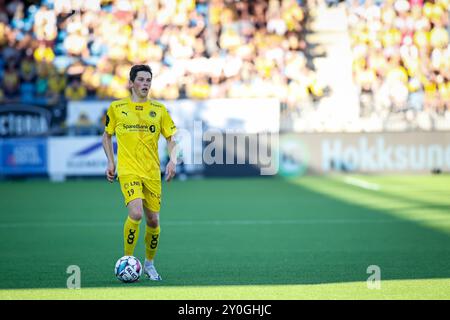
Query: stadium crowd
[[401, 56], [197, 49]]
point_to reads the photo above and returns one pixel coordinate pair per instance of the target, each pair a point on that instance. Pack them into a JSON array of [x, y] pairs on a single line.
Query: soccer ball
[[128, 269]]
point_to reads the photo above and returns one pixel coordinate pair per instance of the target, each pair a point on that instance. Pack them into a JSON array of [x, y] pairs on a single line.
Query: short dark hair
[[139, 67]]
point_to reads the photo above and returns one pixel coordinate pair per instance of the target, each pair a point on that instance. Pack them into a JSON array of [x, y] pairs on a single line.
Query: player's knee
[[153, 221], [135, 213]]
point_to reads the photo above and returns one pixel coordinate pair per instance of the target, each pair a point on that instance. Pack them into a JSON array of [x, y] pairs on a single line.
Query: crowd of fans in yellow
[[200, 49], [401, 56], [197, 49]]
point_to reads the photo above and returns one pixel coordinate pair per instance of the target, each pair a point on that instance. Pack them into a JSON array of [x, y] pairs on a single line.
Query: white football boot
[[150, 271]]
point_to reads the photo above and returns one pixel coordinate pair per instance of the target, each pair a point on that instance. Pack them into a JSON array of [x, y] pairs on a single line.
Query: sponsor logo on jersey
[[136, 127], [125, 113]]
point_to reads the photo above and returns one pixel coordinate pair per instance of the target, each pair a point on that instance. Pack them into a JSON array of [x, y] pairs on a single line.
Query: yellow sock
[[130, 235], [151, 241]]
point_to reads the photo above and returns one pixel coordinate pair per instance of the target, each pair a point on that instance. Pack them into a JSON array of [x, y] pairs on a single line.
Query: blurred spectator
[[75, 90], [83, 120], [56, 84], [27, 69], [83, 126], [11, 80], [42, 79], [44, 26]]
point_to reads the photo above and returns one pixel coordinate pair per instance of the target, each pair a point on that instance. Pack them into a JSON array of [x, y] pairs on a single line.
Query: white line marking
[[218, 222], [362, 184]]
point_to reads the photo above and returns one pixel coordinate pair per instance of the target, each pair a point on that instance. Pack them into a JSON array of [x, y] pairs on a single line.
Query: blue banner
[[23, 156]]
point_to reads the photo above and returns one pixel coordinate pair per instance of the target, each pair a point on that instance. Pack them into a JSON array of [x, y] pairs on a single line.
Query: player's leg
[[131, 226], [152, 197], [132, 191], [152, 232]]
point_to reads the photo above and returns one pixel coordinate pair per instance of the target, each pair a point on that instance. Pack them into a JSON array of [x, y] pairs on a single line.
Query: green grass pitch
[[259, 238]]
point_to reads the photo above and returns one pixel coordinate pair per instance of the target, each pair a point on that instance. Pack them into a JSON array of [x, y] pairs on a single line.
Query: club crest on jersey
[[152, 114]]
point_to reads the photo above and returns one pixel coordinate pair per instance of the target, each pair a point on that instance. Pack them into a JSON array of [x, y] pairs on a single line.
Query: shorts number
[[152, 128], [130, 192]]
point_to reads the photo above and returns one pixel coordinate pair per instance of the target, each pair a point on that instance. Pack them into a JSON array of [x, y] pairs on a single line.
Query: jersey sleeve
[[110, 123], [168, 128]]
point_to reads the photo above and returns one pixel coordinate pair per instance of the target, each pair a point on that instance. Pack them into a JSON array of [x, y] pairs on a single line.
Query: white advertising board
[[237, 115]]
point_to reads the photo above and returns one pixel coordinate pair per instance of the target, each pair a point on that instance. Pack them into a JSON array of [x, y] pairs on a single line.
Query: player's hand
[[111, 171], [171, 169]]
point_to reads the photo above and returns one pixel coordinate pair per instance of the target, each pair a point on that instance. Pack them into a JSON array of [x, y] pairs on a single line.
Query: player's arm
[[168, 129], [171, 166], [110, 128], [108, 147]]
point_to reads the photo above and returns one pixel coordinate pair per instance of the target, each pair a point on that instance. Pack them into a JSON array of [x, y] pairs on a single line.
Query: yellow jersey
[[137, 126]]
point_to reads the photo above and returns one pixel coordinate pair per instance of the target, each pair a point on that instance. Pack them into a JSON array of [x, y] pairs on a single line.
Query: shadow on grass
[[218, 232]]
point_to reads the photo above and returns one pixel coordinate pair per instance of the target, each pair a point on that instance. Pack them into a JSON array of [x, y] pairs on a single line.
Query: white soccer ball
[[128, 269]]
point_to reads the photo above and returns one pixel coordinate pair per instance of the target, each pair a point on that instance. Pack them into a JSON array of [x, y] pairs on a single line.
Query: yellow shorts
[[134, 187]]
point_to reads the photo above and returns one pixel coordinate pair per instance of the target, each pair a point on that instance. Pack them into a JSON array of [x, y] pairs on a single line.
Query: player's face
[[142, 84]]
